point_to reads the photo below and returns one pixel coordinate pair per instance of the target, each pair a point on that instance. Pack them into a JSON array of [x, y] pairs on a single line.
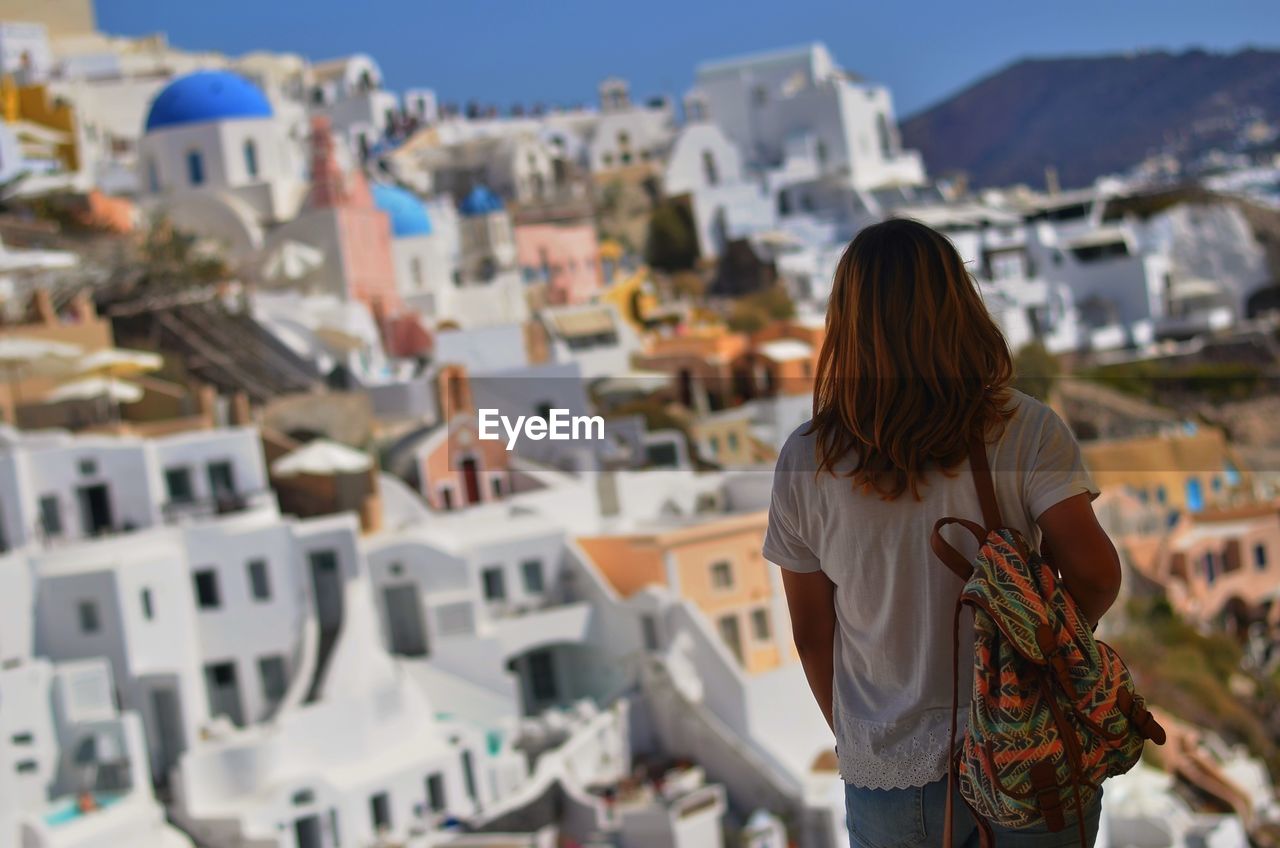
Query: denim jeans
[[912, 818]]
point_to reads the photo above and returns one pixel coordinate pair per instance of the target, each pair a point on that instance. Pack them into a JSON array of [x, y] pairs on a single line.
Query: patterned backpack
[[1054, 711]]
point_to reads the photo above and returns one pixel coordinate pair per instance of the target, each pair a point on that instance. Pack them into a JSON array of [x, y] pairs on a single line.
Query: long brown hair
[[912, 365]]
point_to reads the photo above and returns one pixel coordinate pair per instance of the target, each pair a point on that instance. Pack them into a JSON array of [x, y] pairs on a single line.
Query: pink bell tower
[[361, 231]]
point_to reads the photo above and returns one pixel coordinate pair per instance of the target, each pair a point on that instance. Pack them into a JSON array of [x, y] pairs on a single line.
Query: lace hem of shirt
[[898, 755]]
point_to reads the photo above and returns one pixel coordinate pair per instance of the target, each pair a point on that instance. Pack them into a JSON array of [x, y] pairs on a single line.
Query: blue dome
[[408, 215], [206, 96], [481, 201]]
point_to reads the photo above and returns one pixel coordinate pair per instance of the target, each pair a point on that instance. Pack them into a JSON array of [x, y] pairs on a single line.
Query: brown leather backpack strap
[[986, 487], [948, 815], [947, 552]]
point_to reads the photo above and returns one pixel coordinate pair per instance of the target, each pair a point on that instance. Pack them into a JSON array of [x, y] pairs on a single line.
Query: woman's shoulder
[[798, 451], [1027, 412]]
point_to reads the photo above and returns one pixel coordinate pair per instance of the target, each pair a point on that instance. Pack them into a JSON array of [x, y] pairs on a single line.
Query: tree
[[776, 302], [689, 285], [672, 243], [747, 316], [170, 259], [1035, 370]]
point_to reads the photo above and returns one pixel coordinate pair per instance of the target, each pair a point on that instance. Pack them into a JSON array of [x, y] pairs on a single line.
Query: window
[[759, 95], [302, 797], [148, 611], [435, 792], [178, 483], [649, 628], [274, 681], [714, 445], [728, 627], [251, 158], [1260, 556], [733, 441], [195, 168], [495, 483], [623, 138], [722, 575], [709, 170], [222, 674], [415, 271], [495, 587], [51, 515], [607, 159], [207, 595], [531, 571], [222, 478], [22, 738], [89, 622], [25, 767], [446, 497], [760, 625], [542, 676], [884, 135], [380, 809], [468, 774], [153, 176], [1210, 571], [88, 467], [259, 581]]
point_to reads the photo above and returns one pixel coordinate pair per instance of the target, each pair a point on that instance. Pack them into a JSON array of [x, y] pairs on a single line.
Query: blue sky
[[508, 51]]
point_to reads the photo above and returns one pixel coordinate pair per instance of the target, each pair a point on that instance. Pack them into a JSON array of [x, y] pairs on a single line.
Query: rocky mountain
[[1088, 116]]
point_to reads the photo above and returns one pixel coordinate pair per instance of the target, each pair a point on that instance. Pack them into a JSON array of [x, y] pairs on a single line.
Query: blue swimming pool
[[66, 810]]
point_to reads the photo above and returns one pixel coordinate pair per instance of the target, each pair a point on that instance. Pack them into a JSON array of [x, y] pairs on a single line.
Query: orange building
[[1220, 565], [716, 564], [715, 368], [1185, 471], [451, 466]]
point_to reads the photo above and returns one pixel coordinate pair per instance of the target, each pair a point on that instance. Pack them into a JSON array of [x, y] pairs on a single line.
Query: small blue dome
[[481, 201], [408, 215], [206, 96]]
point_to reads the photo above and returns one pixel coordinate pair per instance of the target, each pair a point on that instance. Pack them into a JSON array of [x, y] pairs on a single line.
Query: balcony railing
[[226, 503]]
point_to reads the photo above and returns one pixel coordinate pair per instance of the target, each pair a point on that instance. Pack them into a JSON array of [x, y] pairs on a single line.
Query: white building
[[349, 91], [25, 52], [58, 488], [624, 135], [73, 769], [796, 113], [707, 167]]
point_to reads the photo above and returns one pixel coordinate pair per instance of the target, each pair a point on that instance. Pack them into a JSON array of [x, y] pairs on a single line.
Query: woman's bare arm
[[1077, 546], [811, 602]]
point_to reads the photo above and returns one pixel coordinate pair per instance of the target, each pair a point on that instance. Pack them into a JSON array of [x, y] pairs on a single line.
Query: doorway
[[326, 588], [471, 479], [95, 509], [308, 832], [404, 618], [224, 691], [168, 732]]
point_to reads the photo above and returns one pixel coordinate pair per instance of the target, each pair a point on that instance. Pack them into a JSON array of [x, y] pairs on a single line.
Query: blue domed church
[[217, 160]]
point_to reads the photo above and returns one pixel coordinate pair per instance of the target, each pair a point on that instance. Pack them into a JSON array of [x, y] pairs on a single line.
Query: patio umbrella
[[291, 260], [322, 457], [119, 362], [109, 388], [17, 352]]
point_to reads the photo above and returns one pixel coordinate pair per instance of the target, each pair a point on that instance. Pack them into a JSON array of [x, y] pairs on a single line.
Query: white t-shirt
[[894, 599]]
